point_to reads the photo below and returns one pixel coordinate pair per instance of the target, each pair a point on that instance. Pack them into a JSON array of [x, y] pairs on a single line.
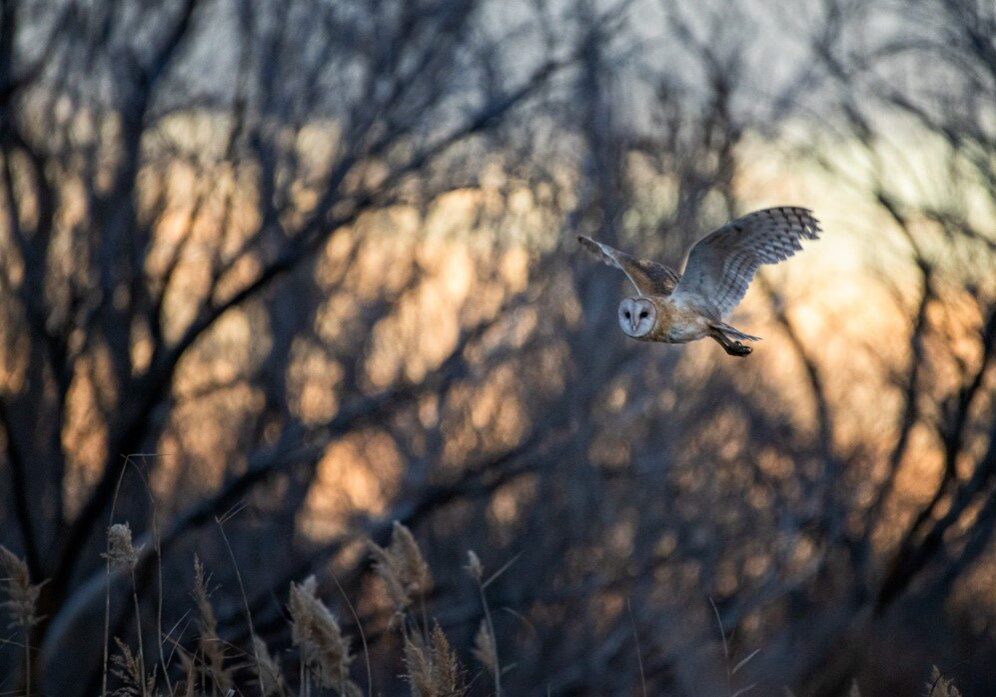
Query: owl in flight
[[677, 308]]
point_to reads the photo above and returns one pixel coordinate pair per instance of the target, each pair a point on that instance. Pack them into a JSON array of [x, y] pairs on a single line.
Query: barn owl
[[677, 308]]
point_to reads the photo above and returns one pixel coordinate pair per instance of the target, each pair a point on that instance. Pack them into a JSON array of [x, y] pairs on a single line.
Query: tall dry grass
[[321, 655]]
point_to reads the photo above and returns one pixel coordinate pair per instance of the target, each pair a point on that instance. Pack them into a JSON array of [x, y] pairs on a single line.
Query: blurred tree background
[[276, 274]]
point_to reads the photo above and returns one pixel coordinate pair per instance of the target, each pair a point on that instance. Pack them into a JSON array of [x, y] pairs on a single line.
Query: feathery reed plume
[[128, 668], [21, 602], [939, 686], [402, 568], [474, 566], [121, 552], [268, 673], [484, 648], [485, 643], [314, 629], [22, 596], [431, 666], [416, 571], [209, 643], [189, 682]]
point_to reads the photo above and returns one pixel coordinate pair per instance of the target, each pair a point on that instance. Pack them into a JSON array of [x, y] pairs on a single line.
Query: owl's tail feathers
[[734, 333]]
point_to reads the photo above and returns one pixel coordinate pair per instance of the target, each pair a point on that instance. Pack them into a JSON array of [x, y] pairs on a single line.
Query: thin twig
[[491, 631], [107, 585], [726, 646], [159, 573], [138, 632], [359, 627], [245, 604], [639, 652]]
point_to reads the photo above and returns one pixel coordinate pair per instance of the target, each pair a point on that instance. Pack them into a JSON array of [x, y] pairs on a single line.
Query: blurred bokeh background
[[275, 274]]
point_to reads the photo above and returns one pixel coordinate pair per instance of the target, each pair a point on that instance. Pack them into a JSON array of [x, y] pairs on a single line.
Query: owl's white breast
[[684, 324]]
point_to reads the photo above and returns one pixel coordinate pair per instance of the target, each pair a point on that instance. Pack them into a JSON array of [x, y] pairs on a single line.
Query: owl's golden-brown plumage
[[678, 308]]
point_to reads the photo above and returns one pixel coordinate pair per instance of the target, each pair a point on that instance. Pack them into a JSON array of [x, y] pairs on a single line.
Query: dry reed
[[129, 668], [939, 686], [121, 551], [484, 648], [21, 603], [122, 554], [22, 596], [210, 645], [485, 642], [432, 668], [402, 568], [271, 680], [314, 630]]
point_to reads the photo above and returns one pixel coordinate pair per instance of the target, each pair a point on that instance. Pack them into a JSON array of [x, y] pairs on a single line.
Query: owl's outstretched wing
[[722, 264], [648, 277]]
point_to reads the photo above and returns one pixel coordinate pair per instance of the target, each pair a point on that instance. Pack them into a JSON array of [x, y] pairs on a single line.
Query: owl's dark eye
[[644, 314], [627, 314]]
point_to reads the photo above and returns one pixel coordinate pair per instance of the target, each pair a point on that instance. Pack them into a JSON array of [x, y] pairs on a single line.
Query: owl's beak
[[634, 322]]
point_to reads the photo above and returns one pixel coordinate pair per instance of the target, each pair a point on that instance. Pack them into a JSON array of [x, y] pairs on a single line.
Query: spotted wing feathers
[[722, 264], [648, 277]]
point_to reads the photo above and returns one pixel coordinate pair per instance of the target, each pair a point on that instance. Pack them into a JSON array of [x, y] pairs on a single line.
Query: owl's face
[[637, 317]]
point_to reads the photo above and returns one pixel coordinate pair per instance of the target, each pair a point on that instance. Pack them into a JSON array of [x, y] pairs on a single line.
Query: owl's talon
[[738, 349]]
